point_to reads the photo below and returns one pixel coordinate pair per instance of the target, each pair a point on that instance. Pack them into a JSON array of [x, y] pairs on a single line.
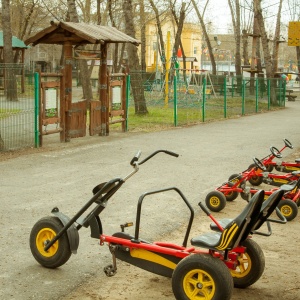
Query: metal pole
[[203, 99], [243, 97], [269, 93], [36, 109], [175, 101], [127, 99], [225, 97], [256, 95]]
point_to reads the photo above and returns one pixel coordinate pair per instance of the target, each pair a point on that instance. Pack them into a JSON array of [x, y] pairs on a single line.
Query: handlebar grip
[[204, 208], [171, 153], [135, 158]]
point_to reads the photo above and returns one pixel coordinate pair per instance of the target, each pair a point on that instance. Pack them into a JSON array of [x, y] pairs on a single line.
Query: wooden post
[[103, 87], [68, 56]]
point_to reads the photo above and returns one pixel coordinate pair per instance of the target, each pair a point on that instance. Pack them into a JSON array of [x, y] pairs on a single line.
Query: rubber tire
[[48, 227], [269, 168], [256, 180], [231, 180], [212, 268], [256, 259], [215, 201], [288, 208], [231, 196]]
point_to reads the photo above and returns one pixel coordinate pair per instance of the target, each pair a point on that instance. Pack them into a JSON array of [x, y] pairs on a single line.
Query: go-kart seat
[[267, 209], [232, 234]]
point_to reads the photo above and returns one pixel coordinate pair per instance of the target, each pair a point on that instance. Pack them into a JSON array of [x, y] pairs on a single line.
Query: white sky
[[219, 14]]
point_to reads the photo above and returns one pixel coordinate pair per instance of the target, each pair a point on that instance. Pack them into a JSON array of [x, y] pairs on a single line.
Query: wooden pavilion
[[71, 35]]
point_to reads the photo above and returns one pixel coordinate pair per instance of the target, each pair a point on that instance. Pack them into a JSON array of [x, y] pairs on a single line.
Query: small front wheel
[[215, 201], [201, 276], [288, 208], [42, 233]]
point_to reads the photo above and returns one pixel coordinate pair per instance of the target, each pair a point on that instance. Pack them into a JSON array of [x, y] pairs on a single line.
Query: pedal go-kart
[[290, 203], [227, 258], [229, 190], [281, 166]]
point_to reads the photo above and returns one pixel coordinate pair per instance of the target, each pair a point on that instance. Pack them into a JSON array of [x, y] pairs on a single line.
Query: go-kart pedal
[[235, 230], [267, 209]]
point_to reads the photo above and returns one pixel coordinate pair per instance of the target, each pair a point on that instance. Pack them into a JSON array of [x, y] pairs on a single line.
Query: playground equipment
[[227, 258]]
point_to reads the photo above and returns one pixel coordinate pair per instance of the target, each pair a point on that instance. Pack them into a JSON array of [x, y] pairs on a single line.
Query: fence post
[[127, 100], [36, 109], [243, 97], [203, 99], [175, 101], [225, 97], [269, 93], [256, 95]]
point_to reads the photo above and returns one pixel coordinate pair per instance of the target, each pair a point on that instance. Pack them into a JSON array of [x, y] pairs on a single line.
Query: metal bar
[[36, 109]]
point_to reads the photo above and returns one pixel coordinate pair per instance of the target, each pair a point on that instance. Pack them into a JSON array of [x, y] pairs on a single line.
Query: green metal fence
[[17, 108], [187, 101], [201, 98]]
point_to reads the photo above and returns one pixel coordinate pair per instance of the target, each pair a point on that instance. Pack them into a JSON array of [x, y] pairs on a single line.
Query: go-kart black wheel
[[269, 168], [234, 178], [288, 208], [215, 201], [251, 265], [231, 195], [288, 143], [42, 232], [256, 180], [201, 276], [246, 196], [275, 152]]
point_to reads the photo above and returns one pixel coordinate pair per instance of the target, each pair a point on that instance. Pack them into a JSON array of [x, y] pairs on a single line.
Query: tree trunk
[[133, 61], [206, 37], [10, 81], [161, 46], [82, 65]]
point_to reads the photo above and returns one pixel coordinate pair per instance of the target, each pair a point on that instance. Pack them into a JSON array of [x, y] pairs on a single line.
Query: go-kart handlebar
[[259, 164], [135, 159], [288, 143], [275, 152]]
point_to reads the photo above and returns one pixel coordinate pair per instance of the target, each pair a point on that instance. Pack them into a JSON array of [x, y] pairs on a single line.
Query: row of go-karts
[[205, 267], [287, 179]]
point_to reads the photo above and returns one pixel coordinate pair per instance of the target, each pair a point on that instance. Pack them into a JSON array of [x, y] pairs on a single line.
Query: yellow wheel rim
[[286, 210], [214, 201], [244, 266], [46, 235], [198, 284]]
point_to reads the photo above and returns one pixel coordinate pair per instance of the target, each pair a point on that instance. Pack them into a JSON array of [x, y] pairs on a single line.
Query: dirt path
[[64, 175]]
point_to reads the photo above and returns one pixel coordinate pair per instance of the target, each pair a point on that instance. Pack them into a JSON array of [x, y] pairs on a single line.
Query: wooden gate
[[95, 117], [77, 119]]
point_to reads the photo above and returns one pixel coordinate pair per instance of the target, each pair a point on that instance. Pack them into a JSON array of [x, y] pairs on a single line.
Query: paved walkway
[[64, 175]]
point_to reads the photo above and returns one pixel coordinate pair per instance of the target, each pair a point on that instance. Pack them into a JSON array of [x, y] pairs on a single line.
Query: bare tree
[[133, 61], [268, 60], [161, 46], [206, 38], [84, 72], [9, 71], [236, 22]]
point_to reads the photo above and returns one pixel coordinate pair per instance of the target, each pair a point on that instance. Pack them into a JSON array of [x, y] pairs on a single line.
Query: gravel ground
[[63, 175]]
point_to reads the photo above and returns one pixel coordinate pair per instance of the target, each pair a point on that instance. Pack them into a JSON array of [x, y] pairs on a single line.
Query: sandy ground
[[33, 182]]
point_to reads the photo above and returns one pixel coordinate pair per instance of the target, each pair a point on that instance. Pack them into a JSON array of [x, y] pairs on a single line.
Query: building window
[[195, 50]]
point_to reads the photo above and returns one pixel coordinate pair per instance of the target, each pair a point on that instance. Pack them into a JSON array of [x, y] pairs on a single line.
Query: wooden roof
[[79, 33]]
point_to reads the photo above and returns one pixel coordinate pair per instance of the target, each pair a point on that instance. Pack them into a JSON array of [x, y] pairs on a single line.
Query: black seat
[[235, 230], [267, 209]]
